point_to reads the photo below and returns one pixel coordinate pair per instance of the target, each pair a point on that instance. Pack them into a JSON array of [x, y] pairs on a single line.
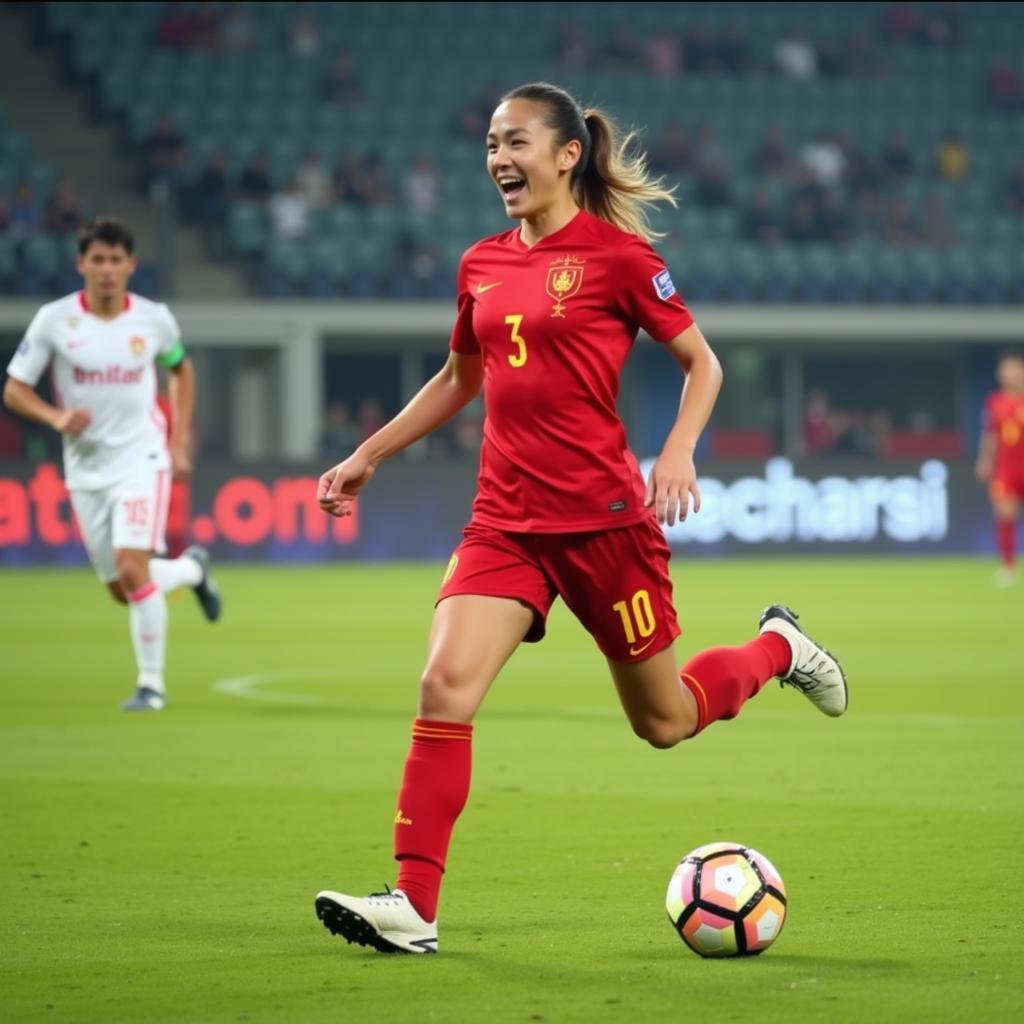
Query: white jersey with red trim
[[107, 367]]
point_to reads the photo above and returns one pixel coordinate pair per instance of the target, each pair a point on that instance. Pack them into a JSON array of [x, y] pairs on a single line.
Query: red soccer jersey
[[554, 324], [1004, 416]]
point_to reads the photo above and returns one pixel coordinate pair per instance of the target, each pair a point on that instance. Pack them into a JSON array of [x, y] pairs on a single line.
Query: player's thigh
[[659, 708], [490, 563], [93, 512], [617, 584], [1006, 507], [139, 511], [471, 638]]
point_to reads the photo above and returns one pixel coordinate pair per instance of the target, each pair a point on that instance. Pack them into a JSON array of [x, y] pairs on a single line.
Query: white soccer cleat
[[385, 920], [1005, 576], [145, 699], [813, 671]]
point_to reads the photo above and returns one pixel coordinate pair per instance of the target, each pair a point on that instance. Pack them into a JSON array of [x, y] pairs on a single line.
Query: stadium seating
[[32, 262], [419, 64]]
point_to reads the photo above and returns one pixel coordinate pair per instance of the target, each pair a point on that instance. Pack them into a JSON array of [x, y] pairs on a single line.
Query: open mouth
[[511, 187]]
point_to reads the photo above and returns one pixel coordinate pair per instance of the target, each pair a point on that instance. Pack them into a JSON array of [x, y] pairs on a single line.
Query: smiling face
[[532, 174]]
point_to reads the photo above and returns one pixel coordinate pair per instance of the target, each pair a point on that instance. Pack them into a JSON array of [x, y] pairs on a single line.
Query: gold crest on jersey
[[565, 277], [138, 346]]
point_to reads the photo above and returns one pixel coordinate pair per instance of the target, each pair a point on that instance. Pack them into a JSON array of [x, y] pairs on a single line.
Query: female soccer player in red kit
[[1001, 459], [547, 314]]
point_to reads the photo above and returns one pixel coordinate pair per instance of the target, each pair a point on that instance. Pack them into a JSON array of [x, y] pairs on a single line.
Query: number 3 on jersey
[[518, 359]]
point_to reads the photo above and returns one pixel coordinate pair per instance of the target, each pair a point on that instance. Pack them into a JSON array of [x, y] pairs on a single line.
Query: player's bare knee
[[116, 591], [443, 692], [661, 734], [132, 572]]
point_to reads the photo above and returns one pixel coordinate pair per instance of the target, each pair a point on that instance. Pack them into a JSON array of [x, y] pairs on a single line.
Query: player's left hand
[[181, 462], [673, 481]]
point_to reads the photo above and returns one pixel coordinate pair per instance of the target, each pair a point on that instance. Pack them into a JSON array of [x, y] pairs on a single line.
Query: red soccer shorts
[[616, 582], [1007, 485]]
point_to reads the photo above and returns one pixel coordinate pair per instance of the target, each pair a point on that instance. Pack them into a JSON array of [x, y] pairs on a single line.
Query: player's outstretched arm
[[453, 388], [23, 400], [673, 478]]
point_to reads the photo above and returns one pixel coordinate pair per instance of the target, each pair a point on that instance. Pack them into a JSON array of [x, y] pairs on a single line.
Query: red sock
[[434, 791], [1006, 531], [724, 678]]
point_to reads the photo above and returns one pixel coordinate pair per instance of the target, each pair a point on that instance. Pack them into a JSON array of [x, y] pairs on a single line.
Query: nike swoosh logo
[[634, 651], [481, 288]]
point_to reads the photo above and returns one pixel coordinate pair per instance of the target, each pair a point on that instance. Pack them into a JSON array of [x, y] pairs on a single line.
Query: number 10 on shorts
[[637, 616], [136, 512]]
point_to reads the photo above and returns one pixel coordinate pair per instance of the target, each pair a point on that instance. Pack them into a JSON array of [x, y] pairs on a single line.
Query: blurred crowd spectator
[[474, 117], [831, 431], [420, 187], [289, 212], [24, 214], [829, 190], [703, 50], [1013, 194], [340, 435], [929, 25], [1003, 88], [796, 57], [341, 85], [952, 157], [32, 221], [63, 212]]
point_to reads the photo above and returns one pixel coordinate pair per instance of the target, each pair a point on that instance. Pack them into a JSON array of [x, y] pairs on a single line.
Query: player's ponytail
[[611, 179], [615, 184]]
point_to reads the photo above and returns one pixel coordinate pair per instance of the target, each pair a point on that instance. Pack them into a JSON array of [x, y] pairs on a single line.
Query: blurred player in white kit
[[102, 345]]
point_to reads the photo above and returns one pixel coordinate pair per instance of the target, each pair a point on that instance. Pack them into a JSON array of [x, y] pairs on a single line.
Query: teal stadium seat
[[44, 257], [247, 228], [287, 267], [8, 261]]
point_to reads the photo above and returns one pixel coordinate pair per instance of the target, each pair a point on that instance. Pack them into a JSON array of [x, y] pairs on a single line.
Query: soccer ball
[[725, 899]]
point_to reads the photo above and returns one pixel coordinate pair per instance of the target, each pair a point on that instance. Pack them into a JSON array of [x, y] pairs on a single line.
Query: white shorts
[[129, 514]]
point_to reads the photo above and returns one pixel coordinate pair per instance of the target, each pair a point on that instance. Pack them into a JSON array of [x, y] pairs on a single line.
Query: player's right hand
[[72, 421], [983, 470], [339, 486]]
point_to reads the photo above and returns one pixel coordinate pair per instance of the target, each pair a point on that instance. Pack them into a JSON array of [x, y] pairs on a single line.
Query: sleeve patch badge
[[663, 285], [23, 347]]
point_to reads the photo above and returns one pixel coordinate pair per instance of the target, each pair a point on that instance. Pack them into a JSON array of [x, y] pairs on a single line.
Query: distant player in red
[[1001, 459], [547, 315]]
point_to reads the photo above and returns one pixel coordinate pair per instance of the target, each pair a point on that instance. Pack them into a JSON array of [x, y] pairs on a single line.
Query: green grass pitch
[[163, 867]]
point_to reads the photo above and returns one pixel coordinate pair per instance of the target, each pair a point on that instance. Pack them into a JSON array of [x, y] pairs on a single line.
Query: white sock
[[147, 620], [170, 573]]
